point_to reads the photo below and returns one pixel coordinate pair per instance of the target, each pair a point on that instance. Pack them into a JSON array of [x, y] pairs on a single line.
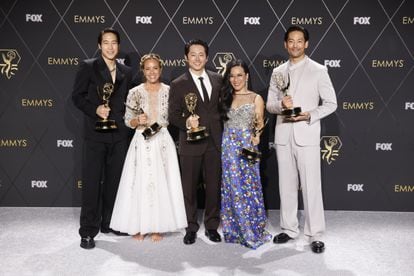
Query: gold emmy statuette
[[198, 133], [283, 85], [150, 130], [250, 153], [105, 93]]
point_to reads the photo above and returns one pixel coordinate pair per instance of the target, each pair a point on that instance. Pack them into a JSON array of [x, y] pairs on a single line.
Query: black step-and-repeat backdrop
[[367, 146]]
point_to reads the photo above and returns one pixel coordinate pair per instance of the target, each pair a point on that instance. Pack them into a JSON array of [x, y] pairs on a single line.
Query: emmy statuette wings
[[105, 93], [283, 84], [250, 153], [149, 131], [197, 133]]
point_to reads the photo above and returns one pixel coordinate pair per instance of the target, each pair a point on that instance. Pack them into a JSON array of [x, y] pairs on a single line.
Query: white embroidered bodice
[[155, 105]]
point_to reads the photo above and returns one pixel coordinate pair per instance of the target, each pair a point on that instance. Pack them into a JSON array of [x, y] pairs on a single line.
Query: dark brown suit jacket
[[208, 112]]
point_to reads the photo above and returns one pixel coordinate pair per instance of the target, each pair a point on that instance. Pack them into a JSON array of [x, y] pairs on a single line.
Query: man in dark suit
[[200, 157], [103, 150]]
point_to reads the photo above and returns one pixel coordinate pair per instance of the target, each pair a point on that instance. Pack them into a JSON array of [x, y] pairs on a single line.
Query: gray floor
[[44, 241]]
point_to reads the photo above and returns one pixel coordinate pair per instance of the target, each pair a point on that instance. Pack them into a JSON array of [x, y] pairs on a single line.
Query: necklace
[[243, 94], [113, 69]]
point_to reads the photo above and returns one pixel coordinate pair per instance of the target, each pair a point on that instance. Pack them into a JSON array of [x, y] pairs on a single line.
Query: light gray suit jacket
[[314, 93]]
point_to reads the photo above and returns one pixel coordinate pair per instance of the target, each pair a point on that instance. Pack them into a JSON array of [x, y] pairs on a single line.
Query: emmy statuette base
[[151, 131], [251, 154], [292, 112], [105, 125], [197, 134]]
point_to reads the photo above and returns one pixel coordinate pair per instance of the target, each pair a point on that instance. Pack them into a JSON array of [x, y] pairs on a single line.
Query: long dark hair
[[227, 89]]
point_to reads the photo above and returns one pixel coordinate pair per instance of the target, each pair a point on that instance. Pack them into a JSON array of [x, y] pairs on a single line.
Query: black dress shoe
[[213, 235], [119, 233], [281, 238], [87, 242], [190, 237], [317, 246], [110, 230], [105, 230]]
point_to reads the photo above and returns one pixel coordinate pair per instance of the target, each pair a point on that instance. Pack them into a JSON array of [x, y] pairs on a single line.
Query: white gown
[[150, 197]]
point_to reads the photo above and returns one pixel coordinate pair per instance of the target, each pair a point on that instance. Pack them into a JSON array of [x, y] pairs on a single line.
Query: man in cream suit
[[307, 85]]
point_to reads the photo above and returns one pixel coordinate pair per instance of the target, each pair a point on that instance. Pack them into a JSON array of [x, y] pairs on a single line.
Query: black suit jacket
[[92, 75], [208, 112]]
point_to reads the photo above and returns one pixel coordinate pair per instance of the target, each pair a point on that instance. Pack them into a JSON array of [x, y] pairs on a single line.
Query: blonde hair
[[150, 56]]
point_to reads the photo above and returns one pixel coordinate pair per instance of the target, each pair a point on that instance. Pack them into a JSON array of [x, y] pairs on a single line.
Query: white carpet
[[45, 241]]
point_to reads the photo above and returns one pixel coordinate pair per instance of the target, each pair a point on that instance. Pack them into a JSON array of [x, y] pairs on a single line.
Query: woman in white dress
[[150, 198]]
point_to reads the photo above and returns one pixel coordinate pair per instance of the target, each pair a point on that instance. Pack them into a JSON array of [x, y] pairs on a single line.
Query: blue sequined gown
[[243, 214]]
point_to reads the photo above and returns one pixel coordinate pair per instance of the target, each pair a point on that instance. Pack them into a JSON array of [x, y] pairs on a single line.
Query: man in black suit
[[200, 157], [103, 151]]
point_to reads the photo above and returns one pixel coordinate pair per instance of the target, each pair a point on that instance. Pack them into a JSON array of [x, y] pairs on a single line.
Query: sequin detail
[[243, 214]]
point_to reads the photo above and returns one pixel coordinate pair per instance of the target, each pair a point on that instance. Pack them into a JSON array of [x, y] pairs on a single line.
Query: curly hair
[[146, 57]]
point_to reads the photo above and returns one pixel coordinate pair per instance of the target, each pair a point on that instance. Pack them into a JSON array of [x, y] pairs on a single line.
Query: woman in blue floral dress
[[243, 214]]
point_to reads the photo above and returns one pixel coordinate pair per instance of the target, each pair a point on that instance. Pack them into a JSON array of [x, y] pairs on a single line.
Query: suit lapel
[[215, 87], [104, 76], [200, 102], [102, 71], [300, 72], [120, 74]]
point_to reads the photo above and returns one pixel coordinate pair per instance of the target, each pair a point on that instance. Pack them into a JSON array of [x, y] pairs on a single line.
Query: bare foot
[[138, 237], [156, 237]]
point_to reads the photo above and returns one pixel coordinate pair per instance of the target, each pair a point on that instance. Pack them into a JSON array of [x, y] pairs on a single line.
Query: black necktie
[[205, 94]]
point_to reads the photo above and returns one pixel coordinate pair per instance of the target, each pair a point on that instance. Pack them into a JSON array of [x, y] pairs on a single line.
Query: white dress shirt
[[206, 81]]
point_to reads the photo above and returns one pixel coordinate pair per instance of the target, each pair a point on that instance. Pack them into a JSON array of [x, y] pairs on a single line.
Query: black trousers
[[209, 166], [101, 171]]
